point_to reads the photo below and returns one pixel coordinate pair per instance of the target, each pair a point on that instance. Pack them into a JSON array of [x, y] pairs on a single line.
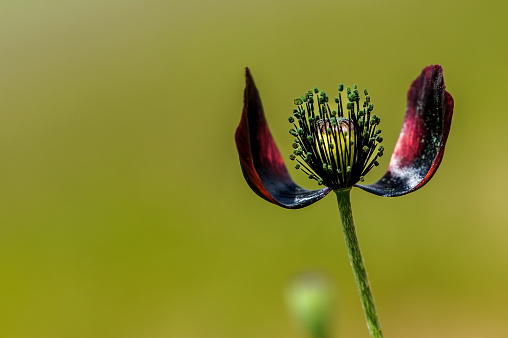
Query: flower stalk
[[355, 257]]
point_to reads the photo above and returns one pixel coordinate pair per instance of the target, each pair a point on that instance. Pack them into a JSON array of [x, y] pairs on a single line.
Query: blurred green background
[[123, 209]]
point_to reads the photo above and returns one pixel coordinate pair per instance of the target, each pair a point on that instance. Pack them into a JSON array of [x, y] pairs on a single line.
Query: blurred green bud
[[309, 300]]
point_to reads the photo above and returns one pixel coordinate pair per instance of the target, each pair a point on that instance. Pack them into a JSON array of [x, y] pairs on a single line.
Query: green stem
[[319, 332], [355, 257]]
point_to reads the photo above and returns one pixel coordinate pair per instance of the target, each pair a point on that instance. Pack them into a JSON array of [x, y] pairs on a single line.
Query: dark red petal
[[422, 140], [262, 165]]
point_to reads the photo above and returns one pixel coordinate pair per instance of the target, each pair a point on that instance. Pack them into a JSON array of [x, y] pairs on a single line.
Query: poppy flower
[[337, 147]]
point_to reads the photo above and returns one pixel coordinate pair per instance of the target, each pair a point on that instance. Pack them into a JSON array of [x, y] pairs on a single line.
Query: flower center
[[334, 150], [336, 141]]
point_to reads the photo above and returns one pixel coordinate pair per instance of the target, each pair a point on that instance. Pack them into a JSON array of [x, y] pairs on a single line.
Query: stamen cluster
[[334, 147]]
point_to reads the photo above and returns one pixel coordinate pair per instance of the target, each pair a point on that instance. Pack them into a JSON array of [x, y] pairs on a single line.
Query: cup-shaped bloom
[[338, 147]]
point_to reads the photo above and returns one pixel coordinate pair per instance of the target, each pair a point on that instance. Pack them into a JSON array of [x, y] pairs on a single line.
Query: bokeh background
[[123, 209]]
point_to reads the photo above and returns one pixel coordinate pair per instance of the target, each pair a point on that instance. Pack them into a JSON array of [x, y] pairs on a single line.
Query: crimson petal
[[422, 140], [262, 165]]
